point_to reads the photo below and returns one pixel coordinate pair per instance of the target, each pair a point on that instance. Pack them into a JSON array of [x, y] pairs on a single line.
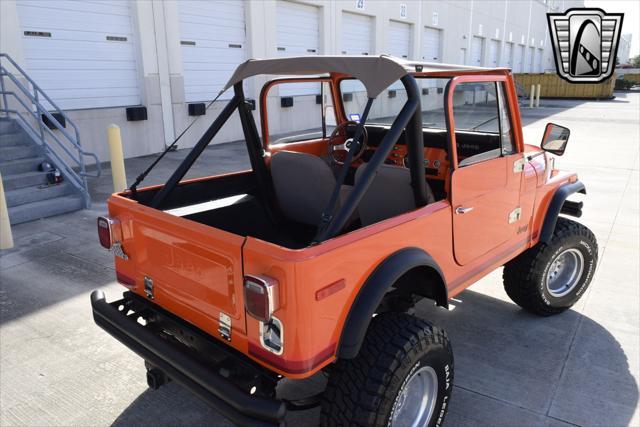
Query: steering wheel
[[339, 145]]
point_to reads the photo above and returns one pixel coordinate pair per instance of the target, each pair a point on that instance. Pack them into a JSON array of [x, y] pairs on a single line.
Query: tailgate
[[196, 269]]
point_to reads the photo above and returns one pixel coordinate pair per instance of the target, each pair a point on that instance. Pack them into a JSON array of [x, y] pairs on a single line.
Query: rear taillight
[[105, 231], [261, 297]]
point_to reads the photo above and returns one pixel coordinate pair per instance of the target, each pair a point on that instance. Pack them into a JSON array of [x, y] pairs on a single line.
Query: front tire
[[549, 278], [403, 376]]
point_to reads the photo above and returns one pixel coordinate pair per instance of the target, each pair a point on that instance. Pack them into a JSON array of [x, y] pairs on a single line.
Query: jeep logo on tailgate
[[585, 43]]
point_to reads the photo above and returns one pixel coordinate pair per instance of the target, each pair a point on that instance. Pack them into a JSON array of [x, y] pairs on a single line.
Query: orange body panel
[[198, 270]]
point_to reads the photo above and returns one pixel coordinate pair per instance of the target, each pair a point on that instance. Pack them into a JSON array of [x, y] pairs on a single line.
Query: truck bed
[[231, 203], [246, 216]]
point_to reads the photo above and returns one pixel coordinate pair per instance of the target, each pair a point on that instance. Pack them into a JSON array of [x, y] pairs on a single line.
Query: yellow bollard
[[117, 158], [6, 238], [532, 95], [538, 95]]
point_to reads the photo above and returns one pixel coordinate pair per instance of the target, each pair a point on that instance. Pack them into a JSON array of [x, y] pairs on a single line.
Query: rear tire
[[405, 367], [549, 278]]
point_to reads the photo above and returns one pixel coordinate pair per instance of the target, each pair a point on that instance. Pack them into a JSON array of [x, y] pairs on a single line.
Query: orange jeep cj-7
[[375, 182]]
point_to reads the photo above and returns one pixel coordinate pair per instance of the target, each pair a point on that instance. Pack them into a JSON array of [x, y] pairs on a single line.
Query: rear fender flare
[[373, 290], [559, 197]]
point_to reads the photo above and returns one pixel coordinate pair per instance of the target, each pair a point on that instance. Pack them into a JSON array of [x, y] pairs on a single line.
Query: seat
[[390, 194], [303, 185]]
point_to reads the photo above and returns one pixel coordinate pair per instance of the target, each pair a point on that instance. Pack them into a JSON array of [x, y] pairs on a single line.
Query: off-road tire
[[363, 391], [524, 277]]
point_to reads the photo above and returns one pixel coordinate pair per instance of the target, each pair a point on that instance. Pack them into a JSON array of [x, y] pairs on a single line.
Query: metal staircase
[[26, 141]]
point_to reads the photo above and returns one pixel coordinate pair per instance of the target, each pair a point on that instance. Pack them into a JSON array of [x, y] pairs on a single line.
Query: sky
[[630, 22]]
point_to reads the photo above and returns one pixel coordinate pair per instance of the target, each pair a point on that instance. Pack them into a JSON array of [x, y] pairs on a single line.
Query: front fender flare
[[373, 290], [559, 197]]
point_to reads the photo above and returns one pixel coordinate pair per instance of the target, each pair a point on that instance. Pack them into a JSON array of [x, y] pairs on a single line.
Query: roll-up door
[[539, 64], [83, 55], [477, 47], [298, 29], [431, 44], [357, 34], [529, 67], [507, 58], [462, 56], [493, 53], [518, 59], [400, 39], [297, 34], [213, 44], [399, 42]]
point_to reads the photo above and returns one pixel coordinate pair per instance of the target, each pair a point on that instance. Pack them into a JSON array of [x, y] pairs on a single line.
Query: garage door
[[399, 39], [431, 45], [298, 29], [529, 63], [539, 64], [518, 57], [507, 58], [462, 56], [213, 43], [82, 54], [493, 53], [477, 47], [297, 34], [357, 34]]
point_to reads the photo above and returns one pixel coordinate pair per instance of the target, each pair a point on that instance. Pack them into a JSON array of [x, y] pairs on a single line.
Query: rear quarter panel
[[312, 327]]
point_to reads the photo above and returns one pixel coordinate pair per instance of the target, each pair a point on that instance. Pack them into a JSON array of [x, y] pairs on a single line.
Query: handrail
[[69, 142], [50, 132], [43, 111], [37, 88], [76, 181]]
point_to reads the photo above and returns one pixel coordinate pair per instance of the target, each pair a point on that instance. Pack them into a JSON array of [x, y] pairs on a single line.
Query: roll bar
[[409, 120], [410, 117], [254, 148]]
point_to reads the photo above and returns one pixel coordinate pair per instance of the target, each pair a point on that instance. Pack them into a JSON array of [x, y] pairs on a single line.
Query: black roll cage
[[409, 118]]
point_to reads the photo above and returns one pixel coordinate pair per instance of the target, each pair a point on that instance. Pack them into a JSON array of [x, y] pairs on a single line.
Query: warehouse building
[[624, 49], [141, 64]]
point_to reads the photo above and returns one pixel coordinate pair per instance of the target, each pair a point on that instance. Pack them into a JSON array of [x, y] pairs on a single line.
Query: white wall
[[160, 63], [624, 48]]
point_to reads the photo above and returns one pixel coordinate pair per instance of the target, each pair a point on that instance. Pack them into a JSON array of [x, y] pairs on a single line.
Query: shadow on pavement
[[510, 365], [58, 258]]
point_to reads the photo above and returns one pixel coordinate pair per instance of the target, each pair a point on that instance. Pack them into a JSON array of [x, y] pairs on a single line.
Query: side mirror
[[555, 139]]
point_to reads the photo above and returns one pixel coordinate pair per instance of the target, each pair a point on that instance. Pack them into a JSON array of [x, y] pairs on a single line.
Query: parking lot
[[512, 369]]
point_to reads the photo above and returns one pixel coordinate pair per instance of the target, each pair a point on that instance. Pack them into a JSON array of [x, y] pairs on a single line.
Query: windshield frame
[[263, 101], [343, 114], [449, 115]]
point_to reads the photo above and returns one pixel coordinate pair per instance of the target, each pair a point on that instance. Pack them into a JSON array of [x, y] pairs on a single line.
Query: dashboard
[[436, 164]]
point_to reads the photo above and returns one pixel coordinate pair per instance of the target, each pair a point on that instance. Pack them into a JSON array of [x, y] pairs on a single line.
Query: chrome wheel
[[416, 401], [565, 272]]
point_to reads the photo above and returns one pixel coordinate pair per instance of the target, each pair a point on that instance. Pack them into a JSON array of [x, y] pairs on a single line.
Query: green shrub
[[622, 84]]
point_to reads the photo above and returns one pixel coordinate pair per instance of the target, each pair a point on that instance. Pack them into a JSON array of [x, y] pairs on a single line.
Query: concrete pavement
[[512, 369]]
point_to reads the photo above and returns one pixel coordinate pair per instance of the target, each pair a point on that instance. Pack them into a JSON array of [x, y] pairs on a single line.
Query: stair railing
[[69, 143]]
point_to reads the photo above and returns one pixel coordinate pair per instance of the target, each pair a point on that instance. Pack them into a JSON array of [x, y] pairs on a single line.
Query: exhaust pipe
[[156, 378]]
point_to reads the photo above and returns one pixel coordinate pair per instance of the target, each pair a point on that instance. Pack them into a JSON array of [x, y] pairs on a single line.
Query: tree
[[635, 61]]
